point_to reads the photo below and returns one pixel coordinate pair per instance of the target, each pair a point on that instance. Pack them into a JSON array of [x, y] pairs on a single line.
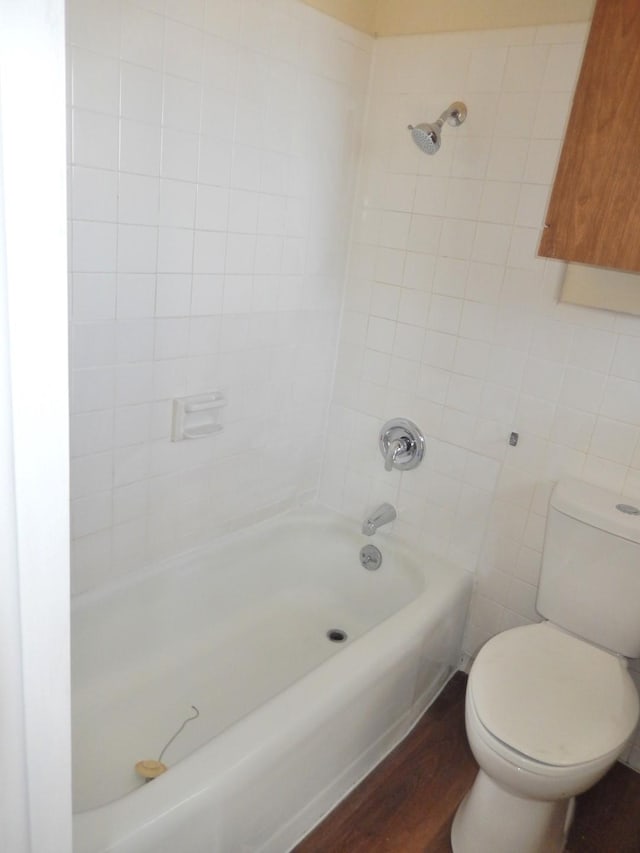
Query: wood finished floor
[[407, 804]]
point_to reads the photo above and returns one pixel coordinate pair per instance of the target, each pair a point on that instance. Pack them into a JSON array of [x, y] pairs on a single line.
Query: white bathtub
[[289, 721]]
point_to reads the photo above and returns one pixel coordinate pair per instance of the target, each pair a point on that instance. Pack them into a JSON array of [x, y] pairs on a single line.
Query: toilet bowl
[[547, 714], [551, 706]]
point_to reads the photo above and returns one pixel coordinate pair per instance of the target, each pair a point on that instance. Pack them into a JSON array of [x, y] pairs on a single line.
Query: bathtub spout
[[384, 514]]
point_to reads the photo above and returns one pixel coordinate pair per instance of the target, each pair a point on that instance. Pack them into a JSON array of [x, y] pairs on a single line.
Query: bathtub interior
[[226, 630]]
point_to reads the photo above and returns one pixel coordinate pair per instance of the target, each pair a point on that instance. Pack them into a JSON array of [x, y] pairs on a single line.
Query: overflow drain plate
[[337, 635], [370, 557]]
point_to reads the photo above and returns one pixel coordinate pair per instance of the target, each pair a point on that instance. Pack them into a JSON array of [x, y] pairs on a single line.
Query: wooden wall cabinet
[[594, 211]]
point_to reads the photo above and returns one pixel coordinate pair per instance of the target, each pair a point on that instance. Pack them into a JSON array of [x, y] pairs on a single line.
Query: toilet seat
[[551, 697]]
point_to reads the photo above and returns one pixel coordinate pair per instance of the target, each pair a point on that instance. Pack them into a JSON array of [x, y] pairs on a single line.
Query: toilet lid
[[552, 697]]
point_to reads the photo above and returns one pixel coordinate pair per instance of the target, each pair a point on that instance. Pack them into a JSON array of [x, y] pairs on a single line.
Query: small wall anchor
[[513, 439]]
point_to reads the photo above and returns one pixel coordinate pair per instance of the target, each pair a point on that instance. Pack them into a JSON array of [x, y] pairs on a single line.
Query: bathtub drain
[[337, 635]]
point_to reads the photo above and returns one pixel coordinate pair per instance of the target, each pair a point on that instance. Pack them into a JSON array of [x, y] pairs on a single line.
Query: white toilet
[[551, 706]]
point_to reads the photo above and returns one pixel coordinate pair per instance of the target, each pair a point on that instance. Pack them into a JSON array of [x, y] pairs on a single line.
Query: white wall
[[213, 168], [35, 761], [451, 319]]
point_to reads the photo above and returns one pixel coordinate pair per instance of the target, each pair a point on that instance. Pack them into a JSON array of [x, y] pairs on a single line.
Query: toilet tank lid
[[552, 697], [598, 507]]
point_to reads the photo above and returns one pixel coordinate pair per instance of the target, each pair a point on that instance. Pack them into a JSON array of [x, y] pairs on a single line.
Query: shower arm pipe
[[454, 115]]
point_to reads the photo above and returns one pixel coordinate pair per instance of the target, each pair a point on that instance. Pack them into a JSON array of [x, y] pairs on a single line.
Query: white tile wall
[[213, 162], [211, 183], [451, 319]]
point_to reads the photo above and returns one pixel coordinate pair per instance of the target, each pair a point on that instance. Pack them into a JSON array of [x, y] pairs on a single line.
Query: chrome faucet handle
[[402, 444], [396, 447]]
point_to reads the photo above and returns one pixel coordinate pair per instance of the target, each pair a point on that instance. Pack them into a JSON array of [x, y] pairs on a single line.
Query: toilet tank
[[590, 577]]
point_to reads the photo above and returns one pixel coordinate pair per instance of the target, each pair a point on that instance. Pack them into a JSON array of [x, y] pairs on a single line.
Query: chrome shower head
[[429, 136]]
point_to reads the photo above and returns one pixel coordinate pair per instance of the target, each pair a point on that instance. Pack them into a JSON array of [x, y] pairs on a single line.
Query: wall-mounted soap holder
[[196, 416]]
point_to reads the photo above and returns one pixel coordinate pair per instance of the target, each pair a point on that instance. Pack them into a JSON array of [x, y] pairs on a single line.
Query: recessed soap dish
[[196, 416]]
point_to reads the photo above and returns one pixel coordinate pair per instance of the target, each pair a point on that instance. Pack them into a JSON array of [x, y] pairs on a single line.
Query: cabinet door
[[594, 212]]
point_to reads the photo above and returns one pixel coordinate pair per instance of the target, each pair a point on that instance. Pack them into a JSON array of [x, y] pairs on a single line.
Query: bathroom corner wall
[[213, 156], [452, 320]]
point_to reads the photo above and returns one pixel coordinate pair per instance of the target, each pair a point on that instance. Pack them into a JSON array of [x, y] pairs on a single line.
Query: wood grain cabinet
[[594, 211]]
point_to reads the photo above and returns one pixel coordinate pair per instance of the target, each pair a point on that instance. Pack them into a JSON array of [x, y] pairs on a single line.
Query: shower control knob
[[401, 443]]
